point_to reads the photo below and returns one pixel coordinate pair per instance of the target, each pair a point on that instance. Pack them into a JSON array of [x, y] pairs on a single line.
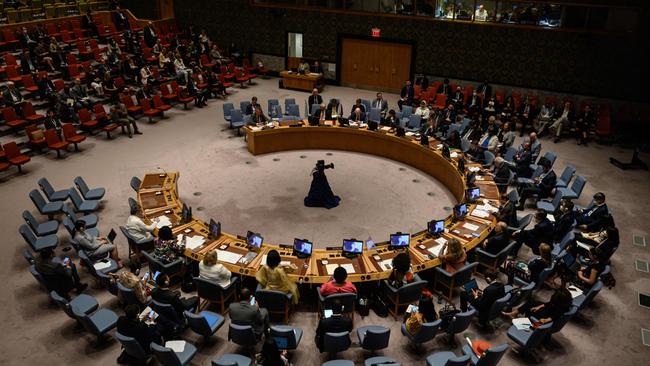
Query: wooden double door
[[375, 64]]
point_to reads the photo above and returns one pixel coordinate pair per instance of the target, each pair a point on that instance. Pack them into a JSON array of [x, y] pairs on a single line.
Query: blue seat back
[[568, 173], [427, 331], [28, 235], [336, 342], [293, 110], [556, 200], [578, 185], [510, 154], [132, 347], [346, 300], [242, 335], [560, 322], [411, 292], [38, 200], [513, 196], [272, 300], [165, 356], [227, 109], [167, 310], [589, 297], [538, 171], [522, 295], [460, 322], [135, 184], [414, 121], [538, 335], [568, 238], [236, 116], [551, 157], [493, 355], [84, 319], [287, 333], [375, 115], [243, 106], [498, 306], [46, 187], [81, 185], [313, 108], [376, 339], [465, 144], [62, 303], [288, 102], [366, 103], [458, 361], [544, 275], [30, 220], [77, 201], [198, 323], [127, 295], [489, 157], [406, 111]]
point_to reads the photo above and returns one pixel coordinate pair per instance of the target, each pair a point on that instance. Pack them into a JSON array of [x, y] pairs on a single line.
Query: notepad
[[583, 246], [550, 217], [470, 227], [474, 169], [228, 257], [176, 346], [522, 323], [441, 241], [163, 221], [575, 292], [435, 250], [330, 268], [194, 242], [386, 265], [102, 265], [480, 213]]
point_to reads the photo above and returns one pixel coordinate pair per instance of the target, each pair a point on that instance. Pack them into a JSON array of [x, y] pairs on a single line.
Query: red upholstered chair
[[11, 118], [130, 106], [52, 31], [183, 97], [205, 61], [30, 114], [28, 84], [10, 37], [241, 77], [441, 100], [71, 136], [37, 142], [13, 155], [54, 143], [168, 93], [87, 120], [12, 73], [68, 37], [148, 111], [159, 104], [100, 112]]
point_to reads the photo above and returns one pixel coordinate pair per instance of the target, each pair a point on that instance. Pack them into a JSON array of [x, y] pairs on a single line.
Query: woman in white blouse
[[212, 271], [423, 111], [140, 231]]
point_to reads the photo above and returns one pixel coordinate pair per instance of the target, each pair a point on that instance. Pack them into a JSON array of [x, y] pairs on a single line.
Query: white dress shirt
[[140, 231], [217, 274]]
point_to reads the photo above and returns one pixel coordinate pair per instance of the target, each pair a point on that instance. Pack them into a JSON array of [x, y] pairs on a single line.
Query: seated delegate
[[589, 219], [338, 284], [95, 247], [482, 300], [161, 293], [272, 277], [59, 276], [166, 246], [453, 255], [243, 312], [336, 323], [542, 232], [401, 273], [213, 271], [529, 272], [560, 302]]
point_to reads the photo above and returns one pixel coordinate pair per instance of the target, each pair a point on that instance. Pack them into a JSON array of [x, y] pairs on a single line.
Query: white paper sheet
[[348, 267], [330, 268], [163, 221], [453, 155], [470, 227], [194, 242], [522, 323], [583, 246], [386, 265], [550, 217], [480, 213], [575, 292], [228, 257], [102, 265], [176, 346], [441, 241], [488, 208], [474, 169], [436, 250]]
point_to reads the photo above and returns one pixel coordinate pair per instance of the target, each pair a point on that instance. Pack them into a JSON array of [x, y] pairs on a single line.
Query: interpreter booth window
[[464, 9], [517, 13], [550, 15], [294, 44], [363, 5], [445, 9], [485, 11]]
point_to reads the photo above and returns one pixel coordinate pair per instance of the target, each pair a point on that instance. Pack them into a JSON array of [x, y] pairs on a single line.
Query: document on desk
[[441, 241], [480, 214], [474, 169], [331, 267], [386, 264], [522, 323], [282, 263], [176, 346], [470, 227], [583, 246], [163, 221], [255, 128], [488, 208], [194, 242], [228, 257], [453, 155], [435, 250]]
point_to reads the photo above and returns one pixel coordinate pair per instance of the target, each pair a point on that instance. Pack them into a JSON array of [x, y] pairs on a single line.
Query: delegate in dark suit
[[495, 243], [563, 225], [508, 214], [542, 188], [592, 217], [406, 96], [243, 313], [542, 232], [173, 298], [334, 324], [483, 301], [138, 330], [314, 99], [501, 177], [382, 105]]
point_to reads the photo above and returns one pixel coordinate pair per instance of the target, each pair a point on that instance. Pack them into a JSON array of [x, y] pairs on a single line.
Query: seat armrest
[[485, 254], [233, 280], [470, 352], [443, 272], [321, 298], [171, 264]]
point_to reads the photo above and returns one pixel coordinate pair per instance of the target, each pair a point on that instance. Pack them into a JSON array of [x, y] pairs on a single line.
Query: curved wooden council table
[[158, 196]]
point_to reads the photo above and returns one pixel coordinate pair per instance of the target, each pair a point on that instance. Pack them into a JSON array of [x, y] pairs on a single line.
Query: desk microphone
[[164, 171]]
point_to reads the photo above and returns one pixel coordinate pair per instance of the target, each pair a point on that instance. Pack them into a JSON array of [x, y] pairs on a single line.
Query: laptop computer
[[373, 125], [111, 235], [469, 286]]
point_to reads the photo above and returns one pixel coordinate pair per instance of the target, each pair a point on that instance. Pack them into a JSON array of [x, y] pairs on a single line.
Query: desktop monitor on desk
[[399, 240], [215, 229], [352, 247], [436, 227], [186, 213], [460, 211], [343, 122], [472, 194], [254, 240], [302, 248]]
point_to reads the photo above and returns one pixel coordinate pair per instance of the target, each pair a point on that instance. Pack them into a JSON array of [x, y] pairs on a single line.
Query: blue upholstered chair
[[81, 205], [447, 358], [403, 296], [286, 337], [172, 269], [565, 177], [336, 342], [338, 363], [98, 323], [227, 109], [242, 335], [237, 120], [84, 303], [275, 302], [491, 261], [45, 208], [582, 301], [50, 193], [459, 323], [528, 340], [414, 123], [89, 193], [243, 106], [43, 228], [374, 115], [37, 244], [552, 206], [206, 323], [210, 292], [373, 337], [536, 173], [576, 188], [135, 184], [133, 348], [271, 106], [168, 357], [426, 333], [450, 281], [549, 155], [347, 301], [491, 357], [230, 359], [288, 102]]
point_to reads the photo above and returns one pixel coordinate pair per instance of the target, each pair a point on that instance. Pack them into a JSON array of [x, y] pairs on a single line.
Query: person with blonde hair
[[530, 271], [454, 255], [271, 276], [210, 269], [132, 282]]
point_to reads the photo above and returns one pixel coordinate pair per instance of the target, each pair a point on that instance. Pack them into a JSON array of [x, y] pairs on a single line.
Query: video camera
[[321, 166]]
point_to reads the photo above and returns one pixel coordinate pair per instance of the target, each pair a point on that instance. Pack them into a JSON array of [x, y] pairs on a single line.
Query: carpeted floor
[[265, 195]]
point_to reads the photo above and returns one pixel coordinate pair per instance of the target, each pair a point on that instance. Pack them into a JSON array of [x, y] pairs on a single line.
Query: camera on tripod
[[321, 166]]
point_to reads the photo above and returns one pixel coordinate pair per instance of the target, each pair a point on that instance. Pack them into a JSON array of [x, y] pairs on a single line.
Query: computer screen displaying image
[[302, 246], [473, 194], [400, 240], [460, 211], [185, 213], [254, 240], [352, 246], [215, 229], [436, 227]]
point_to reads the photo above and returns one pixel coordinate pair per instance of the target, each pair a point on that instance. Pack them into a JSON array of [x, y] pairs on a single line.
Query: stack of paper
[[470, 227], [102, 265], [575, 292], [176, 346], [435, 250], [480, 213], [441, 241], [194, 242], [228, 257], [255, 128], [474, 169], [163, 221], [385, 128], [409, 134], [487, 207], [522, 323]]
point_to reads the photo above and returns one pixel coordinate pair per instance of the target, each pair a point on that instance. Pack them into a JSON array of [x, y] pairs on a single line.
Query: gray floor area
[[265, 195]]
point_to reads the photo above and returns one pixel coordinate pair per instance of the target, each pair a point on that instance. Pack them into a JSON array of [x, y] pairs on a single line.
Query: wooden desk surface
[[295, 75], [367, 266]]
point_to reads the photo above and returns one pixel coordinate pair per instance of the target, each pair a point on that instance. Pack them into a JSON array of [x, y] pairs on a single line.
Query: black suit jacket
[[57, 277], [329, 111], [547, 184], [353, 116], [170, 297], [592, 217], [482, 304], [408, 93], [508, 214], [486, 89], [542, 232], [502, 174], [497, 242], [563, 225], [523, 164], [444, 89], [314, 99], [333, 324], [138, 330]]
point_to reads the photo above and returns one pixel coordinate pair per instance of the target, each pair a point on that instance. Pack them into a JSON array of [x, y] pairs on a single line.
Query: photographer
[[320, 193]]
